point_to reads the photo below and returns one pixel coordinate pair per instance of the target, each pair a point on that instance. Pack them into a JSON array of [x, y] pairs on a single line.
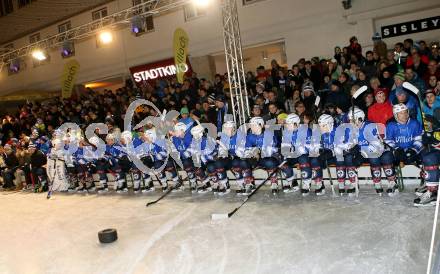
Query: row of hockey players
[[206, 160]]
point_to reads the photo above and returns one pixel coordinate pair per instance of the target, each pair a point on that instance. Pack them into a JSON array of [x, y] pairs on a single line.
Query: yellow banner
[[71, 69], [180, 45]]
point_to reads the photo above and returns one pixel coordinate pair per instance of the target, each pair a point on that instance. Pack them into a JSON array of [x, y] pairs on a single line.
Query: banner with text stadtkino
[[163, 69]]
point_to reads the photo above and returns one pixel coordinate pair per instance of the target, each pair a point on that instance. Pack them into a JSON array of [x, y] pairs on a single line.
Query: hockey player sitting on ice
[[181, 141], [261, 149], [324, 152], [404, 136], [203, 150], [153, 155], [124, 161], [228, 158], [112, 156], [370, 150], [404, 139], [293, 149]]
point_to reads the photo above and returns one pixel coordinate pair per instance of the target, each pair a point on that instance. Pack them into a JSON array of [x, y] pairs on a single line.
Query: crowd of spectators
[[272, 93]]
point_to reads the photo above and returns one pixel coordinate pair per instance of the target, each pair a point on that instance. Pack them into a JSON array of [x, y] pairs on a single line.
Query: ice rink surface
[[288, 234]]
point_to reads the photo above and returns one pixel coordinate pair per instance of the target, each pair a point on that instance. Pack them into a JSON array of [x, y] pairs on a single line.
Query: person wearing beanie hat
[[308, 95], [222, 110], [400, 75], [431, 103], [185, 118]]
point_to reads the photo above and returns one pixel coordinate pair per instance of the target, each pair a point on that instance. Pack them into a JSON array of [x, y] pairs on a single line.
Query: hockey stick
[[331, 179], [219, 216], [434, 229], [416, 91], [167, 192]]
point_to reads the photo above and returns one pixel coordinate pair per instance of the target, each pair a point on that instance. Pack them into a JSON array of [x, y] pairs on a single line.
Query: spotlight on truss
[[68, 49], [40, 55]]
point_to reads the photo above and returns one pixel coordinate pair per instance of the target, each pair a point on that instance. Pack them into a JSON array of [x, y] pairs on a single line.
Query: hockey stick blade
[[411, 87], [317, 101], [220, 216], [359, 91], [160, 198]]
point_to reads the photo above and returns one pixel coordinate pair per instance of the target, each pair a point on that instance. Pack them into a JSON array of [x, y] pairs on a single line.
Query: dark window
[[22, 3], [98, 14], [64, 27], [6, 7], [247, 2]]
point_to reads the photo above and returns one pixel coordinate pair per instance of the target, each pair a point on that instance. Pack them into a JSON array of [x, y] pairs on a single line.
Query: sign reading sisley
[[158, 70], [421, 25]]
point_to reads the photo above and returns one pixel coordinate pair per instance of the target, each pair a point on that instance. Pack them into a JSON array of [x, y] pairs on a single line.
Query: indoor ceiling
[[40, 14]]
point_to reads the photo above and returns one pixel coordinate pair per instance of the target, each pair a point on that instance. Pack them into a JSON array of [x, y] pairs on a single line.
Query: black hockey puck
[[107, 235]]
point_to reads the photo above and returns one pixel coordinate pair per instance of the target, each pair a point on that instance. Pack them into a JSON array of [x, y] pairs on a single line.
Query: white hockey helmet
[[94, 141], [197, 132], [229, 127], [180, 127], [326, 120], [293, 119], [150, 134], [399, 108], [357, 114], [110, 137], [126, 136], [56, 143], [257, 121]]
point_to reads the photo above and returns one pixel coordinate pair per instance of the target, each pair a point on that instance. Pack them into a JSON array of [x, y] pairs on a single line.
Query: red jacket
[[380, 113]]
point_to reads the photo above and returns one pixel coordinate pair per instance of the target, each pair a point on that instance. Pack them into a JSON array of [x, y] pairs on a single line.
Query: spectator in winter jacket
[[381, 111], [338, 97], [417, 65], [431, 103], [379, 46], [412, 77], [311, 73], [355, 48]]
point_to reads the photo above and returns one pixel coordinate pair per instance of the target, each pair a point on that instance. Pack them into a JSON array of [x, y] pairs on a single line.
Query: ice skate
[[249, 188], [223, 191], [341, 192], [305, 191], [178, 187], [295, 186], [392, 189], [426, 200], [379, 189], [136, 190], [320, 191], [421, 190], [351, 192], [80, 189], [149, 188]]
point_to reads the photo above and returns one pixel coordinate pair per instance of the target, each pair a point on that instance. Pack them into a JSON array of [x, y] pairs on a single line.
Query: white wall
[[309, 28]]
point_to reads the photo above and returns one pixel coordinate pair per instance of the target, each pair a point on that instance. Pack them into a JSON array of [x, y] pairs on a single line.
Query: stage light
[[68, 49], [105, 37], [39, 55], [201, 3], [14, 67], [137, 25]]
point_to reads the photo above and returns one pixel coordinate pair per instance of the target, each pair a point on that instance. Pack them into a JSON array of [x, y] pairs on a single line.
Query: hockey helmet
[[356, 114], [197, 132], [326, 120], [180, 127], [399, 108], [150, 135]]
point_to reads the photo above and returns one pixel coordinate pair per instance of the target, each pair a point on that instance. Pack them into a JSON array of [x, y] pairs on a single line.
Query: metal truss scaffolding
[[112, 21], [231, 35], [234, 62]]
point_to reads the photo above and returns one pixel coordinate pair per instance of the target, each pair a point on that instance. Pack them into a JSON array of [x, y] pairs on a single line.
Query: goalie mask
[[229, 128], [256, 124], [356, 116], [401, 114], [197, 132], [292, 122], [326, 123]]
